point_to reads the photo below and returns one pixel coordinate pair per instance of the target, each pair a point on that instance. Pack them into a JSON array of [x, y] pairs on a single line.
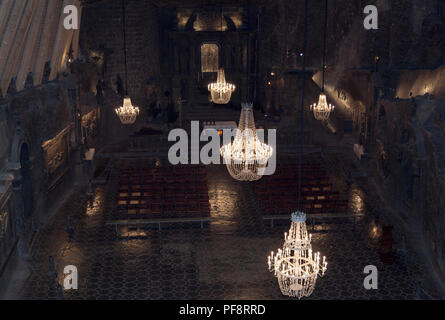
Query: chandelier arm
[[300, 161]]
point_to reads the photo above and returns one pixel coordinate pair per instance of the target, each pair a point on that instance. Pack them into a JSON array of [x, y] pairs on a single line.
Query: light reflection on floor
[[356, 202], [95, 204], [226, 260]]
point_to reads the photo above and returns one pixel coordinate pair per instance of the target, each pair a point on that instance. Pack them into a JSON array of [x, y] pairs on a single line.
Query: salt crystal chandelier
[[296, 266], [221, 91], [322, 110], [127, 113], [246, 158]]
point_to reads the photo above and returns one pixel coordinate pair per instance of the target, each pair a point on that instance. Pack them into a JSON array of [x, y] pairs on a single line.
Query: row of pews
[[278, 193], [165, 193]]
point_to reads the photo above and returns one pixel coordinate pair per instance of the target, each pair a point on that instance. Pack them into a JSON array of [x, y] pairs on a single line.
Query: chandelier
[[296, 266], [246, 158], [322, 110], [220, 90], [127, 113]]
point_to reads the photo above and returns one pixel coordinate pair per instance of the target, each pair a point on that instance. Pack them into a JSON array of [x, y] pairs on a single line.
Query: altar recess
[[198, 48]]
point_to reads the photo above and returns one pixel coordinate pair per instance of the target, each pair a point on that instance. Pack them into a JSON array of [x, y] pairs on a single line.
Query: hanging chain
[[300, 162], [324, 43], [124, 32]]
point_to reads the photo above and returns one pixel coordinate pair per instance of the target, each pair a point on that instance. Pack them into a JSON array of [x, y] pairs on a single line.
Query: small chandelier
[[296, 266], [246, 158], [127, 113], [322, 110], [220, 90]]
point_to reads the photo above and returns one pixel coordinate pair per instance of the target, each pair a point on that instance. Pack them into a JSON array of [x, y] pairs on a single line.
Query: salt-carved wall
[[34, 43], [36, 156], [35, 107]]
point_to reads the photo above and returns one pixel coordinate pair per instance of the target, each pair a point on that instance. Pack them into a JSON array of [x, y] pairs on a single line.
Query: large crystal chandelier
[[322, 110], [246, 158], [220, 90], [296, 266], [127, 113]]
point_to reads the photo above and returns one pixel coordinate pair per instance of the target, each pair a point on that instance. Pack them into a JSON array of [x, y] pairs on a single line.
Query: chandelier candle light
[[127, 113], [296, 266], [246, 158], [220, 90], [322, 110]]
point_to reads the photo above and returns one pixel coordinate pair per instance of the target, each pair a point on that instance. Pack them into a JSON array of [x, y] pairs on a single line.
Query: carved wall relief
[[56, 153], [209, 19], [90, 128], [4, 218], [209, 57], [7, 233], [359, 116], [56, 161]]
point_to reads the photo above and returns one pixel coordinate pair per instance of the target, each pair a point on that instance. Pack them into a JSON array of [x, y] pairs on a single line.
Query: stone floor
[[225, 260]]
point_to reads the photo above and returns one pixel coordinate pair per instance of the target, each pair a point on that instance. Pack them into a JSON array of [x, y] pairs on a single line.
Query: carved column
[[19, 211]]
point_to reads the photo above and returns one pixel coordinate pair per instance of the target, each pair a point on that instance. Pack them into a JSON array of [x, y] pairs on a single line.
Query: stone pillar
[[19, 210]]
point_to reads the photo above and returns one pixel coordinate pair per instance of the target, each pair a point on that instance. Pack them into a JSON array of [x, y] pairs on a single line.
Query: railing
[[159, 222], [315, 216]]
